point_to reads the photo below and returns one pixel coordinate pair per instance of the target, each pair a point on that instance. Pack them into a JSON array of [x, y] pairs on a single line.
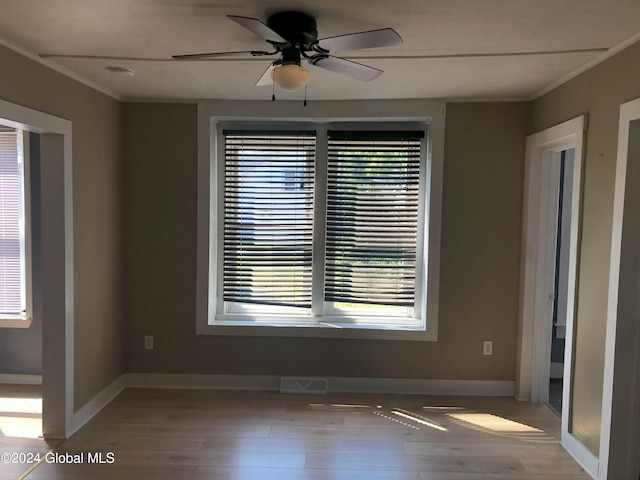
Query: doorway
[[620, 432], [54, 248], [538, 270], [565, 162]]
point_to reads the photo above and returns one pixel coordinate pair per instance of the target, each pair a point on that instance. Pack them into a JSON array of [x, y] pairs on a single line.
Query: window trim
[[397, 112]]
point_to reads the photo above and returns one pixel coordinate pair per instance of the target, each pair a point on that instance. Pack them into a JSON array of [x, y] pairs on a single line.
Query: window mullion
[[420, 308], [319, 226]]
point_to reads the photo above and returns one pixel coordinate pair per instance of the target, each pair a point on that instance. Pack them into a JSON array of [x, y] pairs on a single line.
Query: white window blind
[[268, 217], [372, 218], [12, 225]]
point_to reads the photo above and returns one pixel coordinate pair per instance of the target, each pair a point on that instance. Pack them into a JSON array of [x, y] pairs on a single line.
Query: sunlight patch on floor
[[442, 409], [21, 417], [21, 427], [338, 406], [387, 417], [494, 422], [414, 417], [20, 405]]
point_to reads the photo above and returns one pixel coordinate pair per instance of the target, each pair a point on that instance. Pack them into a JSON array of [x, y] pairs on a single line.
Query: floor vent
[[308, 385]]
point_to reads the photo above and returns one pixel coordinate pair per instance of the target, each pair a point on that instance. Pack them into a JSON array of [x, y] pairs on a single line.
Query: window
[[373, 181], [294, 315], [268, 219], [322, 227], [14, 252]]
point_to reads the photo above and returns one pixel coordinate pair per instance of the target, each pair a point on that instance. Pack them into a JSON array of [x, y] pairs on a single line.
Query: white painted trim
[[23, 118], [488, 99], [538, 232], [587, 66], [412, 386], [16, 323], [581, 454], [537, 268], [211, 112], [20, 379], [58, 286], [97, 403], [60, 69], [403, 386], [621, 381], [205, 382]]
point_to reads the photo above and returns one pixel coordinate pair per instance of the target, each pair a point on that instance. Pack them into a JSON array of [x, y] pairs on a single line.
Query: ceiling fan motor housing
[[296, 27], [293, 36]]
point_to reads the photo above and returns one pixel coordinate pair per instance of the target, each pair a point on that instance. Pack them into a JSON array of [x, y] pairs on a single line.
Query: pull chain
[[305, 96]]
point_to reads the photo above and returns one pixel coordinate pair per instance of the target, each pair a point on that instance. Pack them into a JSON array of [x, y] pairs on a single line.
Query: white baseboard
[[97, 403], [20, 379], [496, 388], [412, 386], [193, 381]]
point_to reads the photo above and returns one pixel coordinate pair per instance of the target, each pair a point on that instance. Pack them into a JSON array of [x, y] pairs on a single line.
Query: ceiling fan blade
[[384, 37], [204, 56], [266, 78], [348, 68], [259, 28]]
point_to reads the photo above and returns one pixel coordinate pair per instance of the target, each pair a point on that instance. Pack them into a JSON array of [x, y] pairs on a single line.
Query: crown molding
[[587, 66]]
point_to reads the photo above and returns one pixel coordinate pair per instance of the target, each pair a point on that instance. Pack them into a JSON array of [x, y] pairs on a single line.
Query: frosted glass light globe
[[290, 77]]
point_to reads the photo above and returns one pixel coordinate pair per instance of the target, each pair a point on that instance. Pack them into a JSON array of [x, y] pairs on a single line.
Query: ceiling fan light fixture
[[290, 76]]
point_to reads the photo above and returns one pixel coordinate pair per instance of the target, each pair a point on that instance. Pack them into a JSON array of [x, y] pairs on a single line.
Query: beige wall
[[483, 175], [97, 211], [598, 93]]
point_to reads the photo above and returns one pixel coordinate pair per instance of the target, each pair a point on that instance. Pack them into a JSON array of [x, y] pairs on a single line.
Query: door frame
[[540, 213], [55, 248], [621, 383]]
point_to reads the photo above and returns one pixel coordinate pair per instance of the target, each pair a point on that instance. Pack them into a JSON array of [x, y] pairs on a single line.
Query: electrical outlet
[[148, 342], [487, 347]]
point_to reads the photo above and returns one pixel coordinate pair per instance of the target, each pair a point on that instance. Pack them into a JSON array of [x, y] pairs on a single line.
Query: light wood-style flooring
[[20, 428], [225, 435]]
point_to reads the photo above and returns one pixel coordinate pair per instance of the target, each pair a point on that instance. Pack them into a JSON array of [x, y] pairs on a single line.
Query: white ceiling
[[495, 45]]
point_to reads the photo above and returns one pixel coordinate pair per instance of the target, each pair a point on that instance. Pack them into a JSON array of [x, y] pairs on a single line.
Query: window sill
[[15, 322], [227, 325]]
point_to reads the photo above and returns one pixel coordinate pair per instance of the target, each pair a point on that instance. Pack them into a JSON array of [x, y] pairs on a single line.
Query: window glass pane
[[12, 224], [372, 221], [268, 218]]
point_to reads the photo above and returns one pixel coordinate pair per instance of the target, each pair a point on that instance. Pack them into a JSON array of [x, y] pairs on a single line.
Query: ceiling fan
[[294, 38]]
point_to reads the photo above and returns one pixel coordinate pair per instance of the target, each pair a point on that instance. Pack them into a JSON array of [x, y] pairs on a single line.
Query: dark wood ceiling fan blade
[[266, 78], [204, 56], [259, 28], [348, 68], [385, 37]]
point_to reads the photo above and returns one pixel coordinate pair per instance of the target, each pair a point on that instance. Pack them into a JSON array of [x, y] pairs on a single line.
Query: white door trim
[[538, 266], [621, 388], [56, 250], [538, 251]]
